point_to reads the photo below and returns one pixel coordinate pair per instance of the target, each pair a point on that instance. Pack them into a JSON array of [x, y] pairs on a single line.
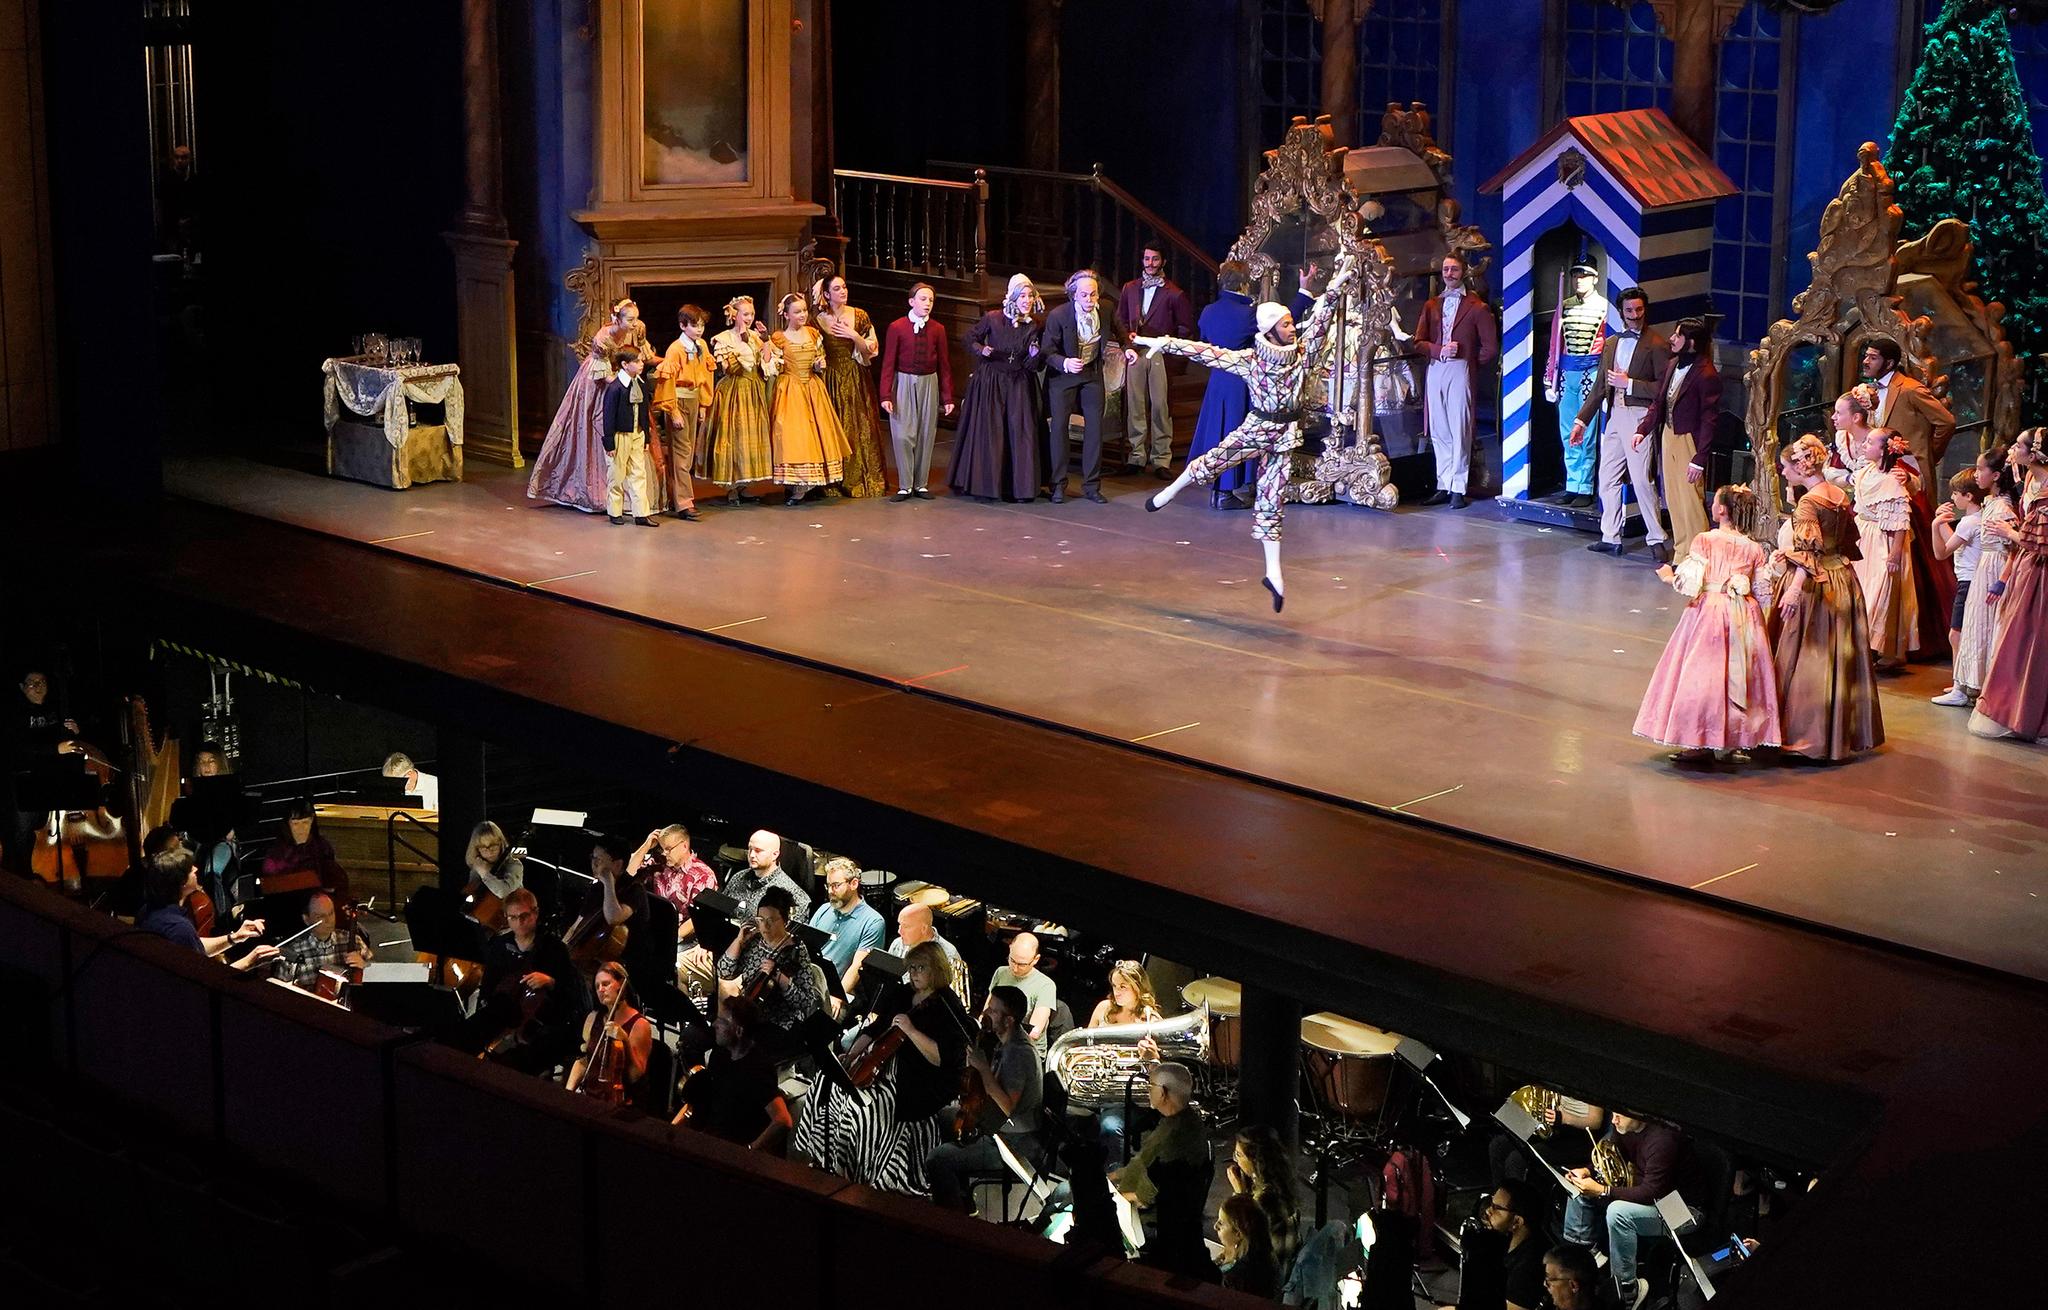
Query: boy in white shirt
[[1963, 541]]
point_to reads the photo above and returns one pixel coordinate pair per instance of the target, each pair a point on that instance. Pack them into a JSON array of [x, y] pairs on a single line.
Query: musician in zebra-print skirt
[[881, 1136]]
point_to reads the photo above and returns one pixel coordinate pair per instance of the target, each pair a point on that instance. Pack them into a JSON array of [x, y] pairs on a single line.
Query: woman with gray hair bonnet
[[995, 455]]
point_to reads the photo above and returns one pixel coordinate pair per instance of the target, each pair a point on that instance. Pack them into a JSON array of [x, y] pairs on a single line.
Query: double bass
[[72, 845]]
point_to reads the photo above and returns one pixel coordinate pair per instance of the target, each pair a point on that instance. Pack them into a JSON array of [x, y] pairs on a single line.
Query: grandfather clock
[[695, 151]]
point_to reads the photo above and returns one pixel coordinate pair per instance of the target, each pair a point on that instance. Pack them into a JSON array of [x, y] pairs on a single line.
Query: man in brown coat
[[1630, 364], [1684, 417], [1907, 407], [1458, 338]]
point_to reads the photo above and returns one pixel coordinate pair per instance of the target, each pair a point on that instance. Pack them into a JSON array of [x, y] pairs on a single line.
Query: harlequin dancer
[[1273, 369]]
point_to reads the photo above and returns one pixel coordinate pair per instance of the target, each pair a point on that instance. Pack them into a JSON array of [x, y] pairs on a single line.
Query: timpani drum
[[929, 895], [1349, 1064], [1225, 1000], [878, 888]]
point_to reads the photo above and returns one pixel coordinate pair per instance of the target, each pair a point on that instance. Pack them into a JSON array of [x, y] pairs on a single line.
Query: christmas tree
[[1962, 148]]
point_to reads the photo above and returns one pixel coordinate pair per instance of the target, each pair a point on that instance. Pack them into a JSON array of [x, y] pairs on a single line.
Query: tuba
[[1609, 1165], [1538, 1101], [1095, 1065]]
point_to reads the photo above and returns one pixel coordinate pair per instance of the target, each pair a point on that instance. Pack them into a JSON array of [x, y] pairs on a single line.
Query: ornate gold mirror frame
[[1854, 293], [1307, 170]]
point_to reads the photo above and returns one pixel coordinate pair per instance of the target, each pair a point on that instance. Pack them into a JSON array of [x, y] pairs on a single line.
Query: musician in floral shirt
[[673, 872]]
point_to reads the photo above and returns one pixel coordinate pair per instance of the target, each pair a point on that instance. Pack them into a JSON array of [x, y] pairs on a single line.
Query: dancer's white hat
[[1268, 314]]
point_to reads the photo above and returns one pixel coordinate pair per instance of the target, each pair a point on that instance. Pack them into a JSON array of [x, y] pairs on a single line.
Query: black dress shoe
[[922, 494], [1661, 553], [1279, 600], [642, 521], [689, 516], [793, 500], [616, 520], [1133, 470], [1435, 498], [1058, 495], [1162, 474], [1097, 497], [899, 497], [1458, 500], [1150, 507], [1605, 548]]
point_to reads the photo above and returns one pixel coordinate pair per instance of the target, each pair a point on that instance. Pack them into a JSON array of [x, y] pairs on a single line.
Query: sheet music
[[1524, 1125]]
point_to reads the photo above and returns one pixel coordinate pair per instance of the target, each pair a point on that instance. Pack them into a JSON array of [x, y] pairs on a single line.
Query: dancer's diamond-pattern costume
[[1274, 374]]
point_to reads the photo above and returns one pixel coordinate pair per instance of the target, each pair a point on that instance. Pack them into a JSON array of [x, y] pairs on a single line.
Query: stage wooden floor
[[1452, 666]]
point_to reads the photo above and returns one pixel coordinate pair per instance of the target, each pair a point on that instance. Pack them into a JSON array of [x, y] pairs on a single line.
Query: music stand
[[876, 972], [440, 930], [712, 914], [1686, 1235], [45, 791], [418, 1005], [1525, 1126], [1419, 1057]]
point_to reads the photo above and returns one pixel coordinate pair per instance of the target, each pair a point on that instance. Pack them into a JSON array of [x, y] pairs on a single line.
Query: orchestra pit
[[1585, 849]]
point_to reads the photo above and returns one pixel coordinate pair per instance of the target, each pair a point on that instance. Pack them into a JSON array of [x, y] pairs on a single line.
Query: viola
[[759, 982], [974, 1101]]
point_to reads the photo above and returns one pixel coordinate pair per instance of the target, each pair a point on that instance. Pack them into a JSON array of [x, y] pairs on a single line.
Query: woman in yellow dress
[[850, 350], [736, 450], [808, 443]]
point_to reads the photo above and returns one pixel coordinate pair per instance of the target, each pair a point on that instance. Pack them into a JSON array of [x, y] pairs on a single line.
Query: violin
[[605, 1061]]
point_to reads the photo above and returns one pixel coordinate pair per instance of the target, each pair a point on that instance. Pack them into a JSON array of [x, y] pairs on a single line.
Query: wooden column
[[28, 322], [1042, 95], [1695, 29], [484, 318], [1340, 20]]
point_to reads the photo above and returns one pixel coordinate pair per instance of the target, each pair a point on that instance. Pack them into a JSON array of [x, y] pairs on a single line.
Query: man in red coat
[[1459, 339]]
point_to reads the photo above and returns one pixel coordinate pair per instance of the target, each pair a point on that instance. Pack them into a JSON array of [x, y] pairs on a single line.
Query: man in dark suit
[[1684, 417], [626, 405], [1459, 339], [1151, 306], [1630, 364], [1075, 336]]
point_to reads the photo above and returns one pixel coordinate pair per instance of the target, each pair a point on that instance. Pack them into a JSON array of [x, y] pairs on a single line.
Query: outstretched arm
[[1216, 357]]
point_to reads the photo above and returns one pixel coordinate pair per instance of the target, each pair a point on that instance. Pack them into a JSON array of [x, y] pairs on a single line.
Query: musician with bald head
[[764, 870], [1041, 997], [326, 946], [914, 926]]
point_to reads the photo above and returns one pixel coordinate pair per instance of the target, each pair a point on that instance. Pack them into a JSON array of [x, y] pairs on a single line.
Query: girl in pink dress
[[1714, 689], [2015, 699]]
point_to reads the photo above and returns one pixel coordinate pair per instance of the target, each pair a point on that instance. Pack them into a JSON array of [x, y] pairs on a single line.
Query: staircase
[[967, 229]]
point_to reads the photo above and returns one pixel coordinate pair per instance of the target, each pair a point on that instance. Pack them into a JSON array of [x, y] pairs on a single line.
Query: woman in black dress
[[1002, 422], [882, 1137]]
